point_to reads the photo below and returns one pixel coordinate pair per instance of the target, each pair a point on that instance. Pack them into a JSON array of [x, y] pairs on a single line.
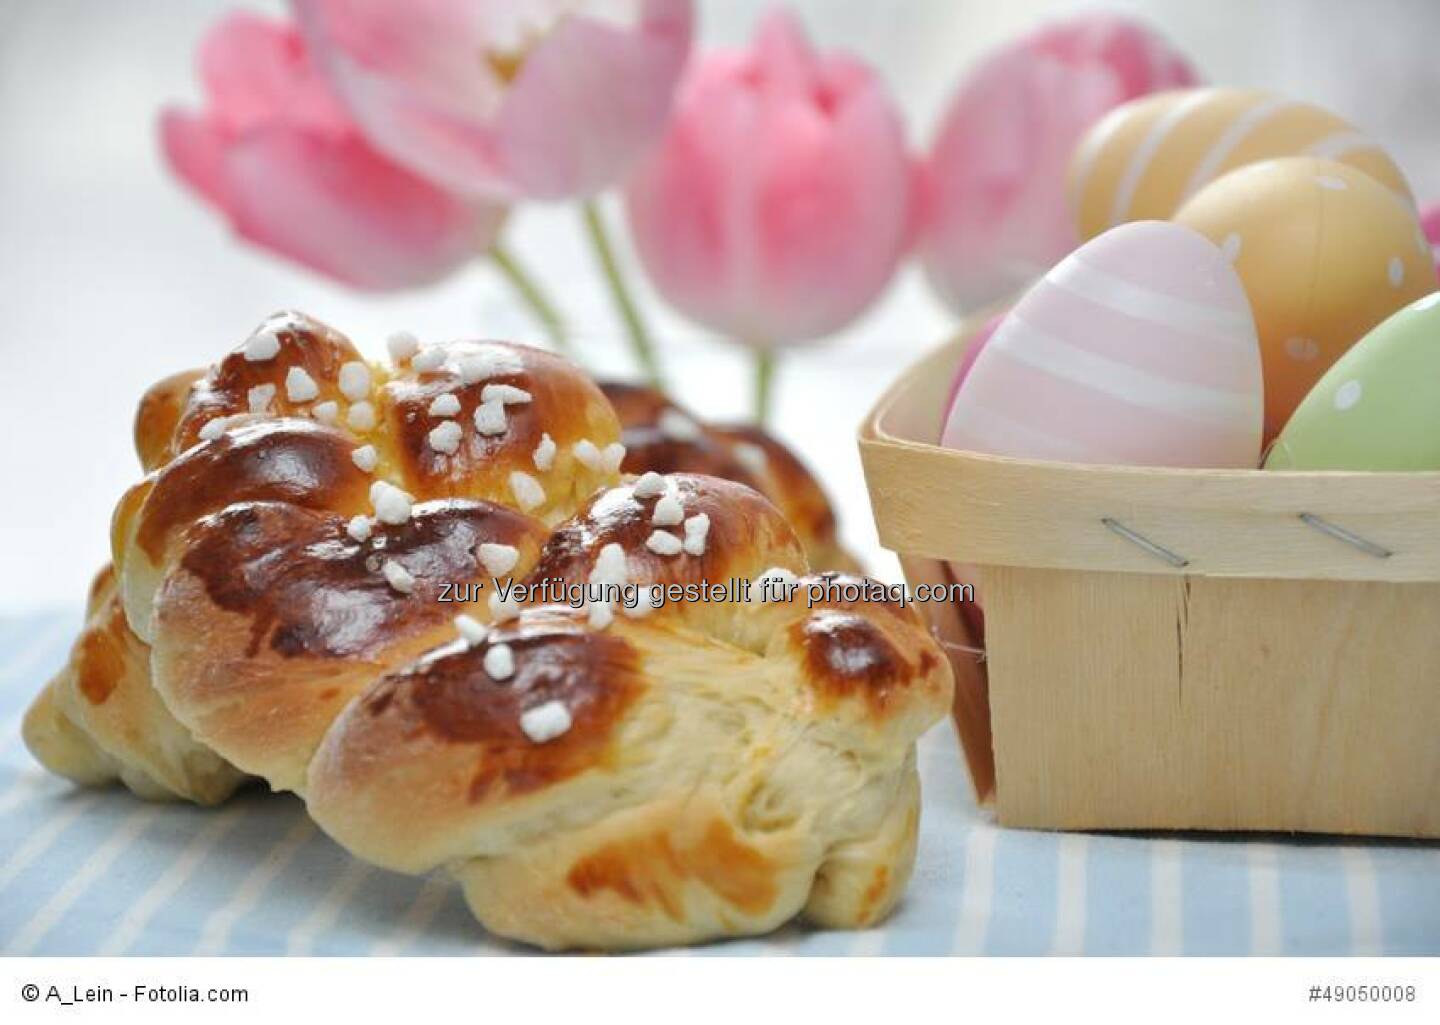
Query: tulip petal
[[195, 150], [589, 100], [783, 55], [442, 89], [255, 70], [345, 211]]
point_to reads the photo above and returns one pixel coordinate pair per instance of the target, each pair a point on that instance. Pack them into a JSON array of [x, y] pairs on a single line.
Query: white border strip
[[1264, 865], [978, 890], [216, 932], [1070, 894], [1167, 896], [1362, 893]]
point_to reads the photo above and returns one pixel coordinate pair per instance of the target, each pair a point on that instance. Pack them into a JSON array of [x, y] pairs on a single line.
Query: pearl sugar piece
[[499, 662], [545, 722]]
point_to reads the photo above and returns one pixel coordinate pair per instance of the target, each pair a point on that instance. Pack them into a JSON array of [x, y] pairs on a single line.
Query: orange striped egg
[[1146, 158], [1138, 348], [1325, 254]]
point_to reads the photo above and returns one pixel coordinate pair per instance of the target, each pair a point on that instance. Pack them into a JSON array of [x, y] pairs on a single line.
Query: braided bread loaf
[[323, 585], [239, 562], [662, 436]]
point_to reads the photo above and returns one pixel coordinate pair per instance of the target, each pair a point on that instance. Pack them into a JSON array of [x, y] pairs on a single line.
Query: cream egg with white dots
[[1327, 254]]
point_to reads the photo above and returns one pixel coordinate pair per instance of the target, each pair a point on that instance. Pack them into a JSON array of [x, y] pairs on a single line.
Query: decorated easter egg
[[1325, 253], [974, 345], [1146, 158], [1378, 407], [1137, 348]]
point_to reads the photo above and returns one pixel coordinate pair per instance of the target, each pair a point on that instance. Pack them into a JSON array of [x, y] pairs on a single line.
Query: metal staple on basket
[[1348, 536], [1309, 519], [1144, 543]]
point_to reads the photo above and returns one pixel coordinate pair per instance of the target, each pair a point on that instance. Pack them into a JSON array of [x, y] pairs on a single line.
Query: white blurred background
[[111, 276]]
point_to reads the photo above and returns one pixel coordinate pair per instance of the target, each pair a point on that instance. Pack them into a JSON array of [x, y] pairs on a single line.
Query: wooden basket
[[1175, 649]]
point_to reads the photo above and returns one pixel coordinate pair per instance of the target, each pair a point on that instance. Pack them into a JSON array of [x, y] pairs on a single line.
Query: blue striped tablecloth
[[90, 872]]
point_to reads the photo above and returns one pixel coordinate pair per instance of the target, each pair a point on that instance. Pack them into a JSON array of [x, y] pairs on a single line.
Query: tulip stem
[[640, 343], [764, 381], [532, 295]]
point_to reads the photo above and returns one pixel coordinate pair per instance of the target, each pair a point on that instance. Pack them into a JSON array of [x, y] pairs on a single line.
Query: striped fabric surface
[[99, 872]]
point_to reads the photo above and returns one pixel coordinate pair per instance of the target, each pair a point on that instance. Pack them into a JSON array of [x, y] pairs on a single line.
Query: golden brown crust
[[292, 461], [307, 589], [648, 446], [858, 647], [746, 536], [274, 617], [739, 452], [449, 697], [847, 654], [543, 397], [563, 405], [787, 480], [303, 343], [159, 414], [100, 721]]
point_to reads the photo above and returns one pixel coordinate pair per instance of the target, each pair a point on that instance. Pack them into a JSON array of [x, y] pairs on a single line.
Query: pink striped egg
[[974, 345], [1138, 348]]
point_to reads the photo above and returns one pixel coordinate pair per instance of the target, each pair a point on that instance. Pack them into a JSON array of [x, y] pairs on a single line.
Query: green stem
[[620, 293], [764, 383], [530, 292]]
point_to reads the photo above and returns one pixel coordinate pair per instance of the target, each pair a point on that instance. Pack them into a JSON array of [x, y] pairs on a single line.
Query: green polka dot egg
[[1378, 406]]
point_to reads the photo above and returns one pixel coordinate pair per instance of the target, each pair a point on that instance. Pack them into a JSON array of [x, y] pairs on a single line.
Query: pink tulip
[[994, 214], [777, 205], [1430, 224], [541, 99], [276, 153]]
